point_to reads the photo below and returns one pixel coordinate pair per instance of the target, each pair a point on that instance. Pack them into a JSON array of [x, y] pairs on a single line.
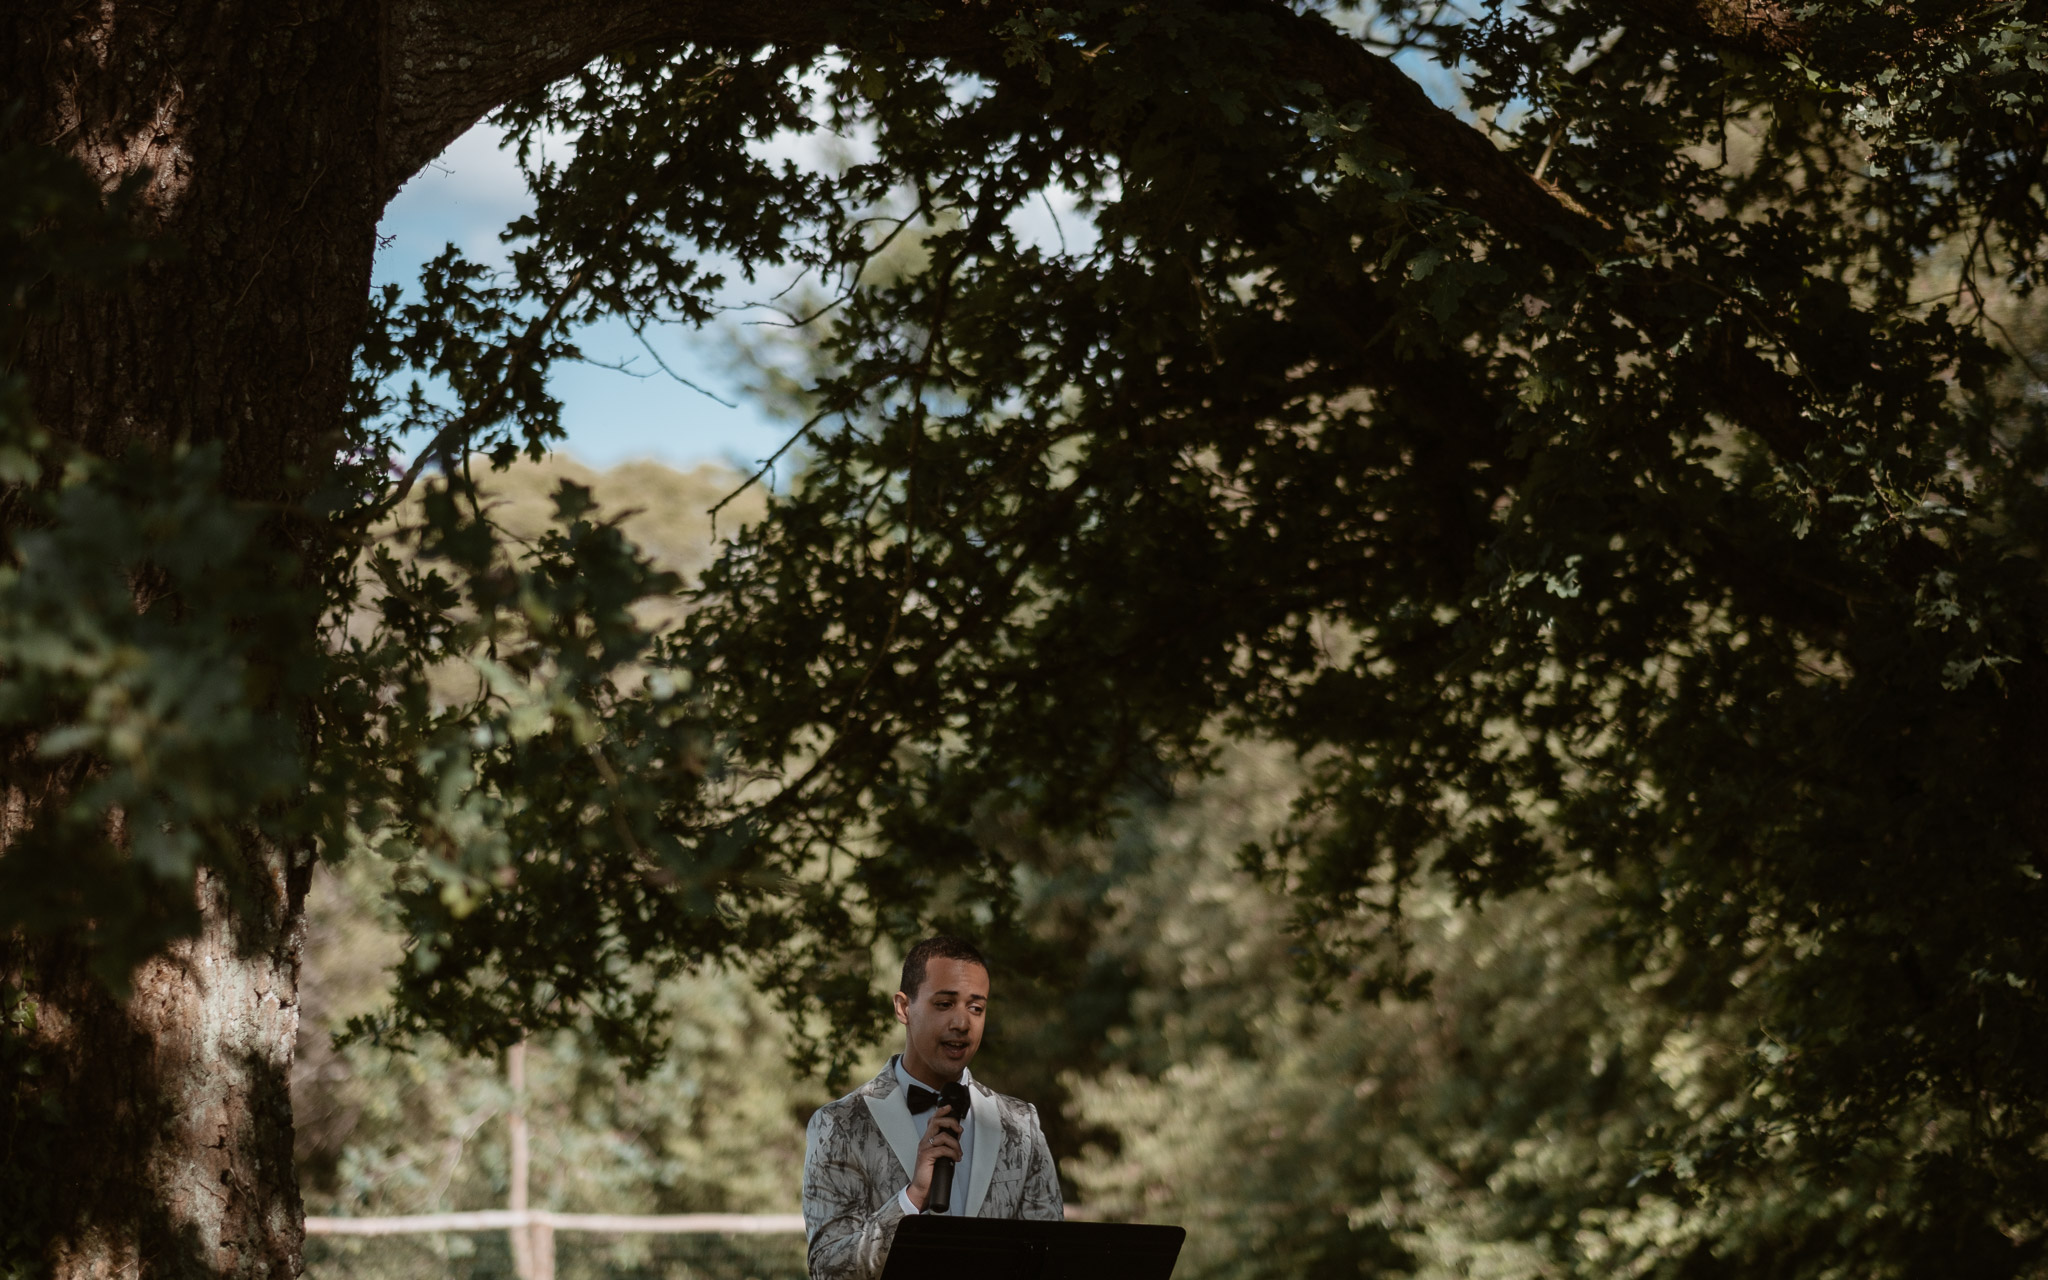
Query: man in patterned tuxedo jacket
[[870, 1154]]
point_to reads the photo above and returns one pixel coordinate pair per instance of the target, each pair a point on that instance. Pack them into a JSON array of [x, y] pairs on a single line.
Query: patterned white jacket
[[860, 1152]]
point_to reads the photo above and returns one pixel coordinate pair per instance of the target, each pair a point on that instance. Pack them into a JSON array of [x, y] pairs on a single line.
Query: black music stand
[[942, 1247]]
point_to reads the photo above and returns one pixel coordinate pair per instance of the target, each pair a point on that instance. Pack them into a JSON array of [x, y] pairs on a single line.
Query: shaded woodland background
[[1493, 1125]]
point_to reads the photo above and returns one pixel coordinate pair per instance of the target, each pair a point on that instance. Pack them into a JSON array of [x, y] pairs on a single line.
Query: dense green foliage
[[1692, 546], [1695, 547]]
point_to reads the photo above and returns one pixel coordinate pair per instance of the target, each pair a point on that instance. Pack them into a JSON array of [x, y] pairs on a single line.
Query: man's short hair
[[943, 947]]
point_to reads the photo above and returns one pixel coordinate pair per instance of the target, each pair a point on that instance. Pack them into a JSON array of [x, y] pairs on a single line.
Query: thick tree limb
[[450, 62], [1445, 152]]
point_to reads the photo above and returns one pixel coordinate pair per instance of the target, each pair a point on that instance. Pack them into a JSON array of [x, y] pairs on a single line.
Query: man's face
[[943, 1020]]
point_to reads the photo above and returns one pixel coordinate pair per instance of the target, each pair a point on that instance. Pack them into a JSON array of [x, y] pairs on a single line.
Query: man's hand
[[941, 1138]]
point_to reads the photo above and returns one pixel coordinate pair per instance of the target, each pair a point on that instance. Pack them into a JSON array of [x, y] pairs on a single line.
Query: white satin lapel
[[893, 1119], [988, 1144]]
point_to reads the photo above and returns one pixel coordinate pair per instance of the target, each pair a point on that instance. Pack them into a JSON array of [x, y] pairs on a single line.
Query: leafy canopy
[[1648, 489]]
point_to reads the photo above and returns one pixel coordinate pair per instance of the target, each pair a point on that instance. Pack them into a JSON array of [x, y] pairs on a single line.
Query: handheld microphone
[[954, 1098]]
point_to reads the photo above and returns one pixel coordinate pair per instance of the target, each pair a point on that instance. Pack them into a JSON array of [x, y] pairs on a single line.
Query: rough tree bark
[[257, 122], [275, 131]]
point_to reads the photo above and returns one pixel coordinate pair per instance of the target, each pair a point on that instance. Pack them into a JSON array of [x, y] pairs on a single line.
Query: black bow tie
[[953, 1095]]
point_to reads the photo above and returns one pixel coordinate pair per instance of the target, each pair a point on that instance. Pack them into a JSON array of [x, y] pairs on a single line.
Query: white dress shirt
[[922, 1121]]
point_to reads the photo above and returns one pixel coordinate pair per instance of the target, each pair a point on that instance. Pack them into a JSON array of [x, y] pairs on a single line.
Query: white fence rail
[[515, 1219], [533, 1230]]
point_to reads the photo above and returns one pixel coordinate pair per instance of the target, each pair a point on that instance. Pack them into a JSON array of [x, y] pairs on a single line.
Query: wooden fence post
[[527, 1262]]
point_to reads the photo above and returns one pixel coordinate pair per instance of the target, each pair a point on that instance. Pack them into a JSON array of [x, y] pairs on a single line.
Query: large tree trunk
[[257, 121], [164, 1119]]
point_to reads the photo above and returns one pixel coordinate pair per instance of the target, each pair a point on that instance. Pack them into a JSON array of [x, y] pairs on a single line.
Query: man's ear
[[902, 1003]]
